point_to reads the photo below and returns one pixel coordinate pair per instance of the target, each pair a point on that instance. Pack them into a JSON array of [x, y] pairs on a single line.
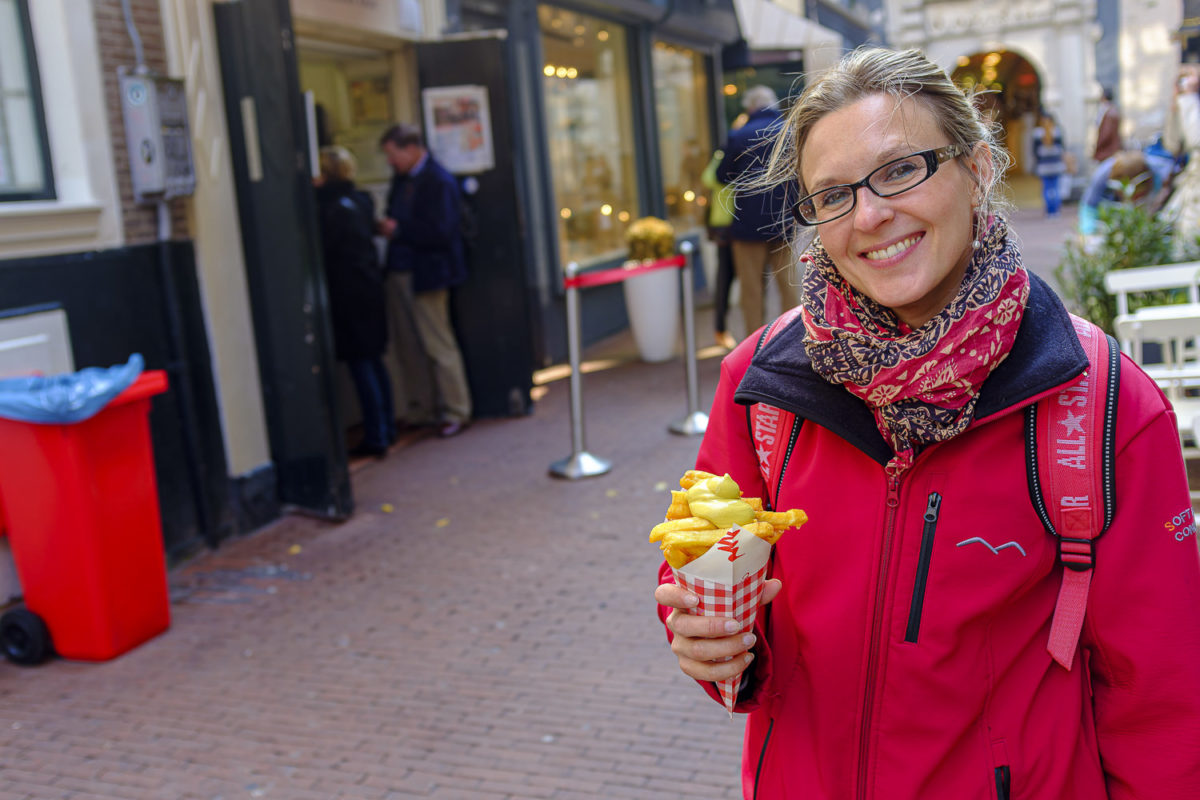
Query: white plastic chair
[[1176, 329]]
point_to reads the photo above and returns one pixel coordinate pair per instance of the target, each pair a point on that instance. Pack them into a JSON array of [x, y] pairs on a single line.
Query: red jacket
[[870, 683]]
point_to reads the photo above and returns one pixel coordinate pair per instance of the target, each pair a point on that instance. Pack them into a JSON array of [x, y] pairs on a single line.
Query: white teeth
[[888, 252]]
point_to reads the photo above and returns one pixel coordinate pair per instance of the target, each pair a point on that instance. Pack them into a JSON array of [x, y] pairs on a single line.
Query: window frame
[[48, 191]]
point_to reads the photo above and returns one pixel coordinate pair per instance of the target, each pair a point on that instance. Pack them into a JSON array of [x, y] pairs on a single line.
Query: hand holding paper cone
[[717, 544]]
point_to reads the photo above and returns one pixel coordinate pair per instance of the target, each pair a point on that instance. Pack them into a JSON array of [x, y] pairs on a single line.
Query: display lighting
[[730, 90], [606, 210], [602, 35], [689, 196], [565, 213], [991, 59], [623, 216], [551, 71]]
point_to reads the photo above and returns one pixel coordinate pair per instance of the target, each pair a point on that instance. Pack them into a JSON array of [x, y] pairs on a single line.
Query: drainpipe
[[177, 363]]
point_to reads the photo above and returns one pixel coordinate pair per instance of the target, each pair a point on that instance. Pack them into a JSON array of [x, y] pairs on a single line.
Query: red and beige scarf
[[921, 385]]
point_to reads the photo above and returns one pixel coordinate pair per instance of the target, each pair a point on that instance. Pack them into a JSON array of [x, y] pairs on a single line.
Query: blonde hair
[[337, 163], [901, 74]]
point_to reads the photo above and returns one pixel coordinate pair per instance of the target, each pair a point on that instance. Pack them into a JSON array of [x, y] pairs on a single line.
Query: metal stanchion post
[[581, 463], [696, 420]]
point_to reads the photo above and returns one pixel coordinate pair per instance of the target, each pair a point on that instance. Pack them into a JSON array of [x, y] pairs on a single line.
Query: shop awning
[[767, 26]]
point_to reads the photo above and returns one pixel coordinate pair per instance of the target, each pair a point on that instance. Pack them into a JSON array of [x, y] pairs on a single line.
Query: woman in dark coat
[[354, 276]]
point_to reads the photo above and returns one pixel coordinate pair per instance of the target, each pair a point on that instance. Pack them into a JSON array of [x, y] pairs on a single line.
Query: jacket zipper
[[932, 509], [762, 756], [864, 736], [1003, 783]]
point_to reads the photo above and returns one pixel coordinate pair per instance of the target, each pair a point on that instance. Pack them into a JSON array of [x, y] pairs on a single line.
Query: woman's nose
[[871, 210]]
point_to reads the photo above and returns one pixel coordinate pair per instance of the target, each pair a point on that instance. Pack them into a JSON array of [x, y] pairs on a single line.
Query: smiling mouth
[[893, 249]]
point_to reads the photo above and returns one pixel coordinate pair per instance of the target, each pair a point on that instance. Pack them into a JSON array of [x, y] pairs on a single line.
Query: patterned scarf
[[921, 385]]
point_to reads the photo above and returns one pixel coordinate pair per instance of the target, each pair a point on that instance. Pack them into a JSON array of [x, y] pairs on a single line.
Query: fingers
[[708, 648], [673, 596], [710, 671]]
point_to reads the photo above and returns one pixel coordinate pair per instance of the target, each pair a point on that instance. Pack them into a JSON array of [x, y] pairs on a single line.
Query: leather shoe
[[365, 450], [451, 428]]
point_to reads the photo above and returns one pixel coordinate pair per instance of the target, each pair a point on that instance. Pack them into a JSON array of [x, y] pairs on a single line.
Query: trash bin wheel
[[24, 636]]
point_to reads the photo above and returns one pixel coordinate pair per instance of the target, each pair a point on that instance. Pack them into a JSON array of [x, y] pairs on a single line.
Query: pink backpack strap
[[1070, 447], [772, 429]]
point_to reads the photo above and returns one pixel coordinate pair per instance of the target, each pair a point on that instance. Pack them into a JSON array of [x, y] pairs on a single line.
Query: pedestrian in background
[[1108, 127], [1182, 137], [758, 231], [906, 651], [425, 243], [1050, 163], [354, 278], [721, 203]]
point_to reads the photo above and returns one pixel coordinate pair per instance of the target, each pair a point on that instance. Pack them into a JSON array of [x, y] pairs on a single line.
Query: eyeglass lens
[[890, 179]]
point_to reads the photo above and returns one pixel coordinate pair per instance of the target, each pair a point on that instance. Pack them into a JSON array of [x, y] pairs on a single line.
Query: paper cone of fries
[[729, 580]]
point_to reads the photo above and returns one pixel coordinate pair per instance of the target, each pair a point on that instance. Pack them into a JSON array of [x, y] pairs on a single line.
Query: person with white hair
[[758, 235]]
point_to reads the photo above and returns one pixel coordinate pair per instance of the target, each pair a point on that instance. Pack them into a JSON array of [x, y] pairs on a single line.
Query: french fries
[[684, 536]]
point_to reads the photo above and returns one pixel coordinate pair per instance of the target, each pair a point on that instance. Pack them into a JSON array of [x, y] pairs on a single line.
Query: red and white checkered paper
[[729, 582]]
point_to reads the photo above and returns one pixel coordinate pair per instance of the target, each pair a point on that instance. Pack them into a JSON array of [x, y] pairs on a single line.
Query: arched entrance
[[1012, 92]]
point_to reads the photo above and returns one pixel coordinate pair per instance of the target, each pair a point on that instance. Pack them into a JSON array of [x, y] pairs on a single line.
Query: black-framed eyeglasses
[[893, 178]]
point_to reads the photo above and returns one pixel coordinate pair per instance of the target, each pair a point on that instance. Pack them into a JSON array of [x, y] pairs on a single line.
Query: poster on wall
[[458, 127]]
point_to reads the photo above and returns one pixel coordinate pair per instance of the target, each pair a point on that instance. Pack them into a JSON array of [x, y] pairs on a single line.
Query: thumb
[[770, 589]]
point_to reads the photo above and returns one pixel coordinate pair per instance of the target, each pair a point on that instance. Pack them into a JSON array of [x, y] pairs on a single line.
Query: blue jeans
[[1050, 184], [374, 389]]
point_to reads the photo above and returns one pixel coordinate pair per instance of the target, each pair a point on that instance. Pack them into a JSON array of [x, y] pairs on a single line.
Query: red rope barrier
[[618, 274]]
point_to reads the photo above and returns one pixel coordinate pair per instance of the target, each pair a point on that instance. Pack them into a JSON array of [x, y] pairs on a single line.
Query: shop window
[[24, 152], [683, 110], [590, 133], [353, 103]]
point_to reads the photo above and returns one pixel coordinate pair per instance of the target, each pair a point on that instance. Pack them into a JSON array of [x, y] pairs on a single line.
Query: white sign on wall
[[458, 127]]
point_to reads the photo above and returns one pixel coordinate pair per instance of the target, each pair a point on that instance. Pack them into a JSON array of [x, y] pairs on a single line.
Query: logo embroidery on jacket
[[989, 546], [1182, 525]]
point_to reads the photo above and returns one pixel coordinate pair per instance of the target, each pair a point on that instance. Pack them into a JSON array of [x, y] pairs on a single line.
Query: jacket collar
[[1046, 354]]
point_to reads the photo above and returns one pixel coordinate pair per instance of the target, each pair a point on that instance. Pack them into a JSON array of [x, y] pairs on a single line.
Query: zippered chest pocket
[[974, 552]]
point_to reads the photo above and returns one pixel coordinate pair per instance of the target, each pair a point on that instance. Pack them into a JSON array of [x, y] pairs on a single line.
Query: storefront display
[[681, 101], [590, 131]]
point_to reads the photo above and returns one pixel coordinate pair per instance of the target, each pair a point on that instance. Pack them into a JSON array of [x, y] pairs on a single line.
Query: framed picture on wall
[[458, 127]]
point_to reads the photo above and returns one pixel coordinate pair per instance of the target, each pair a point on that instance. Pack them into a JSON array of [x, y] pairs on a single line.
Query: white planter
[[652, 302]]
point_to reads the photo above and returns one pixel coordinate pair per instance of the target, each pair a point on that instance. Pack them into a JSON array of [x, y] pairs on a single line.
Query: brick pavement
[[477, 631], [491, 636]]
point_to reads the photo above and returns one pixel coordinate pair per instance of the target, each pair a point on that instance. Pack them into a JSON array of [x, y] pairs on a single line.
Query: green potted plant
[[1130, 236]]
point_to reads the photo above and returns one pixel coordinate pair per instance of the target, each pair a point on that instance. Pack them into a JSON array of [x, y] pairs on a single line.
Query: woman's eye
[[899, 172], [833, 198]]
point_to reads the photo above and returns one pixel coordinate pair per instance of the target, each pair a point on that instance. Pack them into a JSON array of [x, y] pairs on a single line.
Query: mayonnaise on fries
[[707, 509]]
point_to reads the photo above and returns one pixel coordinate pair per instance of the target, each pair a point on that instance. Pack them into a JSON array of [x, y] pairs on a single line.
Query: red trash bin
[[80, 503]]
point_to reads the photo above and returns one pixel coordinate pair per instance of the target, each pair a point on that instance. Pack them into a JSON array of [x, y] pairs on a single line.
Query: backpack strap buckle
[[1078, 555]]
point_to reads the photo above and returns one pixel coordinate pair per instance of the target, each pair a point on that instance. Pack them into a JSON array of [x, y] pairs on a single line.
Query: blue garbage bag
[[70, 397]]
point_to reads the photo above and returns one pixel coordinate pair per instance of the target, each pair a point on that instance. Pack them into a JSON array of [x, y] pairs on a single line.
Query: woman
[[1182, 136], [921, 339], [356, 299], [1050, 160]]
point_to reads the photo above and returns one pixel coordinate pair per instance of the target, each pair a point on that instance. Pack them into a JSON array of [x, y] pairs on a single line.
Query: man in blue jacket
[[424, 240], [757, 236]]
